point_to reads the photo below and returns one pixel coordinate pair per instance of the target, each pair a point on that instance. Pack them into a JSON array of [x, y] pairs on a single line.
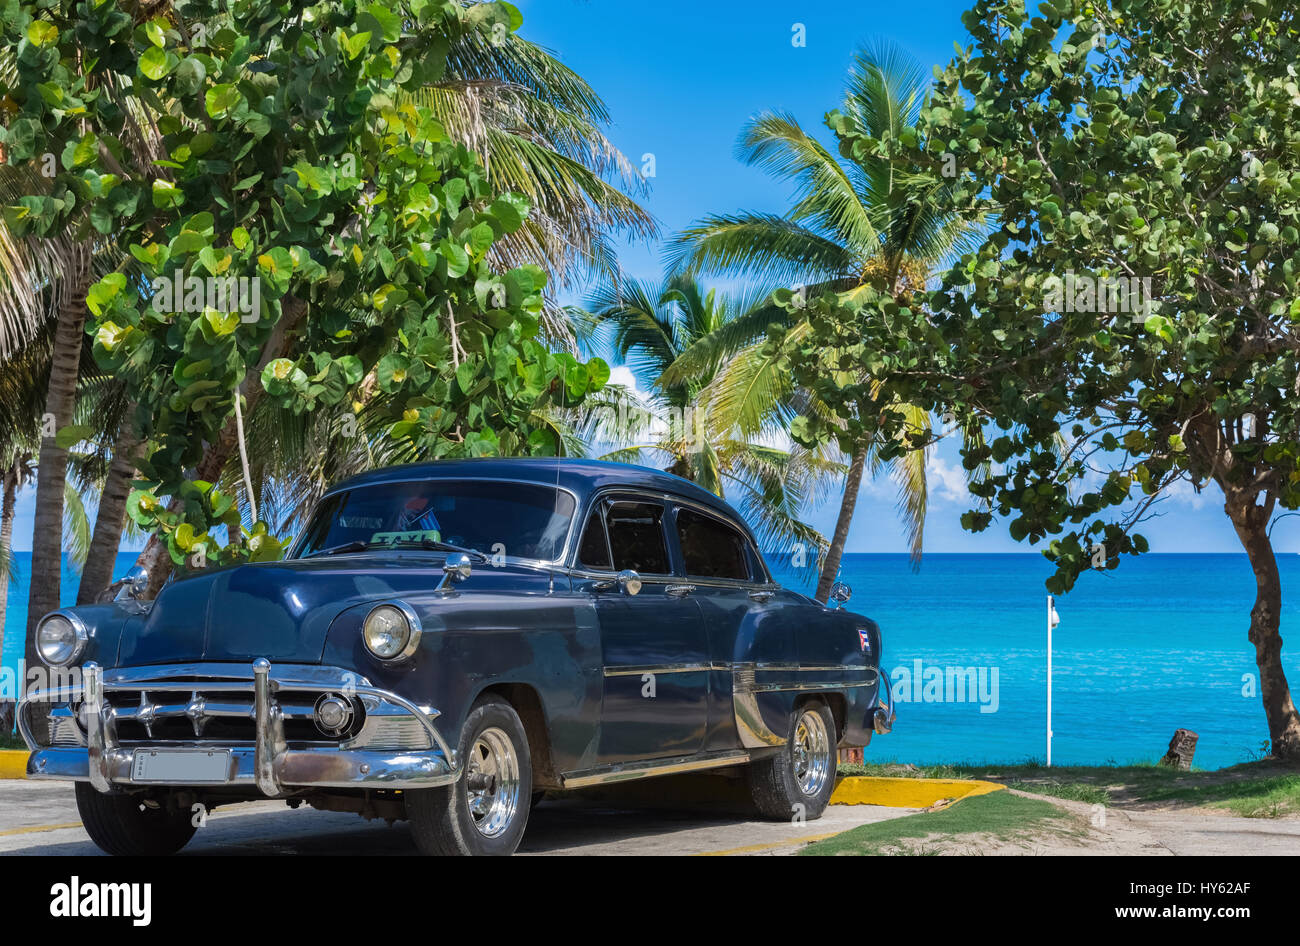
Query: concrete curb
[[906, 792], [13, 763]]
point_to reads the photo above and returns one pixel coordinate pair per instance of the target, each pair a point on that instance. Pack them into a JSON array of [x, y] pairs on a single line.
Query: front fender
[[474, 640]]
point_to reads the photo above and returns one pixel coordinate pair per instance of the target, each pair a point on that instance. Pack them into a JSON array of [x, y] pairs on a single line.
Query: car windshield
[[514, 520]]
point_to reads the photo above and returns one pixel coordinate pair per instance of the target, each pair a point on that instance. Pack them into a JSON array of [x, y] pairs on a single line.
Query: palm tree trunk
[[52, 463], [109, 520], [155, 559], [831, 567], [8, 505], [1251, 523]]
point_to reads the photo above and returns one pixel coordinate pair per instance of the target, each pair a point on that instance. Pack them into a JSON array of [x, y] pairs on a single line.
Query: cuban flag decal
[[865, 638]]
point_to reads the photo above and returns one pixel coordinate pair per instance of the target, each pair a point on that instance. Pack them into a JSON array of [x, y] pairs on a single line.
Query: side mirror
[[840, 593], [629, 581], [455, 569], [135, 583]]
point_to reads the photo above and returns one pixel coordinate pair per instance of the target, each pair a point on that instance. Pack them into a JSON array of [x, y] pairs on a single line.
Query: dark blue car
[[444, 643]]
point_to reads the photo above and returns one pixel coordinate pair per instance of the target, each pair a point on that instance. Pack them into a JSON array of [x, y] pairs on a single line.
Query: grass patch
[[1264, 789], [11, 741], [1273, 797], [1070, 791], [999, 814]]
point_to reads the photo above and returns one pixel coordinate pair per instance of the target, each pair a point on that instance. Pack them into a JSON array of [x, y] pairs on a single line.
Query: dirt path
[[1123, 832]]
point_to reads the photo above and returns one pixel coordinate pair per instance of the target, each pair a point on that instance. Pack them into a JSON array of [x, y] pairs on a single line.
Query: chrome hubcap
[[812, 752], [492, 782]]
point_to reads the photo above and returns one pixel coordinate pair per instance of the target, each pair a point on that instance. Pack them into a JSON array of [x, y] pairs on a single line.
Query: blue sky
[[680, 79]]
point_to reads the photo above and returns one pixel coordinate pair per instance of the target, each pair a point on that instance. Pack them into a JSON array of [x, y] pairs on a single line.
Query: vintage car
[[446, 642]]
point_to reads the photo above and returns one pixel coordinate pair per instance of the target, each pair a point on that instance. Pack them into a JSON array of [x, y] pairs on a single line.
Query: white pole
[[1051, 621]]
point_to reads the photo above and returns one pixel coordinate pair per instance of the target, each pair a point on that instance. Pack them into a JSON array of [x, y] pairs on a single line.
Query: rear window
[[710, 547]]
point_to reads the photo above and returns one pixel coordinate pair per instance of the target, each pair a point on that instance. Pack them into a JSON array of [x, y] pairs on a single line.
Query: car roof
[[581, 477]]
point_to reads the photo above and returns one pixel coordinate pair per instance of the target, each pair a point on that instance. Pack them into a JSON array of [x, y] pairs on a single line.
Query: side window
[[594, 550], [711, 548], [636, 537], [757, 567]]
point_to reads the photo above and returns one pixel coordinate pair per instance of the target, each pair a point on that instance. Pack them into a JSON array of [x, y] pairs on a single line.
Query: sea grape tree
[[1131, 324], [290, 234]]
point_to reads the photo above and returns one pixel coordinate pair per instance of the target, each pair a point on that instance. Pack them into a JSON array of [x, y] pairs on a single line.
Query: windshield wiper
[[357, 545]]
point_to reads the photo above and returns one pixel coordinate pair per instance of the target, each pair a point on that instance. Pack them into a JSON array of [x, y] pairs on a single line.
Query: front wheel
[[485, 811], [131, 826], [796, 783]]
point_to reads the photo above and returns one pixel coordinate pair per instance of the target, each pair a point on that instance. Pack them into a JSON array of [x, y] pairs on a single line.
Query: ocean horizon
[[1153, 646]]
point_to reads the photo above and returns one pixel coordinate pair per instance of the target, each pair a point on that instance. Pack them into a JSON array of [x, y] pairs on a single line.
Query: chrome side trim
[[662, 668], [737, 666], [628, 771], [817, 685]]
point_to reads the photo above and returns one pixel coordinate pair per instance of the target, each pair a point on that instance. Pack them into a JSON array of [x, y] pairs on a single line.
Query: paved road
[[41, 818]]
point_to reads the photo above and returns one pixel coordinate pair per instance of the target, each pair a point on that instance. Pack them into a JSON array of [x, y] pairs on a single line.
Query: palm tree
[[536, 125], [650, 329], [855, 227]]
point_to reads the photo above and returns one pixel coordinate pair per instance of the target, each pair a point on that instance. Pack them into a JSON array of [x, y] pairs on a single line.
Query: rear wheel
[[796, 783], [486, 810], [130, 825]]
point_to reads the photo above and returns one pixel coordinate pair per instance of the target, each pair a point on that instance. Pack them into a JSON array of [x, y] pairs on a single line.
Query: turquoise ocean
[[1155, 645]]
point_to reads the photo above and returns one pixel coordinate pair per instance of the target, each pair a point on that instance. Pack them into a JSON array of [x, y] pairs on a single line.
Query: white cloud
[[946, 481]]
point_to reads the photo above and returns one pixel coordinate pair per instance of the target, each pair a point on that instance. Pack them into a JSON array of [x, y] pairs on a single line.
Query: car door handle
[[679, 591], [762, 597]]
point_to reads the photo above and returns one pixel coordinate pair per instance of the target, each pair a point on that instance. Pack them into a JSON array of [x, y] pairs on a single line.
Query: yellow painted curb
[[906, 792], [13, 763], [37, 829]]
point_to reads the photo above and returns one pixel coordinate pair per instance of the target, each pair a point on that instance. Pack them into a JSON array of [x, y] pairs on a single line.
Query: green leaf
[[156, 63], [73, 434], [42, 33], [222, 99], [166, 195]]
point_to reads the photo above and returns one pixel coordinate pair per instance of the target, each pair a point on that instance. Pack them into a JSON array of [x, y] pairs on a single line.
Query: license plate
[[180, 765]]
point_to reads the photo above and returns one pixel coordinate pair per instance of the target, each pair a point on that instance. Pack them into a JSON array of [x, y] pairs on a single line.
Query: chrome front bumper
[[267, 765]]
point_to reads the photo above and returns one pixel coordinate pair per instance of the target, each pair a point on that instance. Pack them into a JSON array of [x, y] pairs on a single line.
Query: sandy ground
[[1120, 832]]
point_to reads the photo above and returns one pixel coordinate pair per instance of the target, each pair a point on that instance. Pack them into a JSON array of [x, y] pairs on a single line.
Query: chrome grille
[[164, 712]]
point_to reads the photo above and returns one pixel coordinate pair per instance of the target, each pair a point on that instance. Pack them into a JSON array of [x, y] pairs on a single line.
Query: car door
[[731, 589], [654, 646]]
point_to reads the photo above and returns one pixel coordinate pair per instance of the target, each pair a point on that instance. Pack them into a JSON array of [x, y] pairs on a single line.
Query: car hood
[[277, 610]]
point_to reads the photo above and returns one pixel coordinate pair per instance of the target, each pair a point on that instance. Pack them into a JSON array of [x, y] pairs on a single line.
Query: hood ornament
[[455, 569]]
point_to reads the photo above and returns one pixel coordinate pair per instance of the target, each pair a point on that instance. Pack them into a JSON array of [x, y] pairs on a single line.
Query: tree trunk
[[831, 567], [8, 504], [155, 558], [52, 464], [1251, 523], [110, 518]]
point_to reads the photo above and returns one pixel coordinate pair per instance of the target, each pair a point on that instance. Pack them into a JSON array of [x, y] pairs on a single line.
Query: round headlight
[[60, 638], [391, 632]]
